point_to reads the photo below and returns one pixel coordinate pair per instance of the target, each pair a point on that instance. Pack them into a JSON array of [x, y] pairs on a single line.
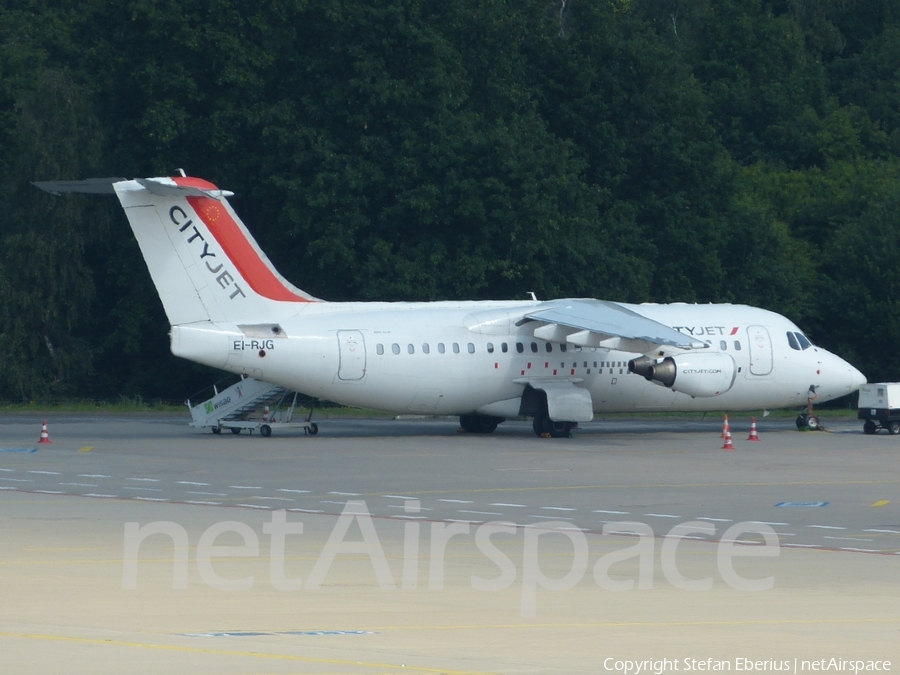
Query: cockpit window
[[804, 341], [792, 341]]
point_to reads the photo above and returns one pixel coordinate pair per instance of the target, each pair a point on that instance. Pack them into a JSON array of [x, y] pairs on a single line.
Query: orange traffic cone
[[726, 429], [753, 435], [728, 445], [266, 415], [45, 437]]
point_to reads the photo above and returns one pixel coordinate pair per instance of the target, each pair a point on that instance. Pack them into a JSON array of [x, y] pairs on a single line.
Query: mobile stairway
[[232, 408]]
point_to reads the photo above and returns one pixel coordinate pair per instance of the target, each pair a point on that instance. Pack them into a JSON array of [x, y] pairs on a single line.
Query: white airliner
[[559, 361]]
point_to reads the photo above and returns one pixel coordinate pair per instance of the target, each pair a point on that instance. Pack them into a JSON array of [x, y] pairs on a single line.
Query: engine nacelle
[[698, 375]]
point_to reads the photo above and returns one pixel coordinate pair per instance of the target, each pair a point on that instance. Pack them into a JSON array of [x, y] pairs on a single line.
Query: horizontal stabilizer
[[91, 186]]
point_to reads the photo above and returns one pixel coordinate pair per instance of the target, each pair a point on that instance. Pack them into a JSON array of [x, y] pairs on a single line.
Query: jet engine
[[697, 375]]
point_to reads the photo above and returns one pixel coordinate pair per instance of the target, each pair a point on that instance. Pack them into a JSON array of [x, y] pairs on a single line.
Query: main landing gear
[[542, 424], [479, 424]]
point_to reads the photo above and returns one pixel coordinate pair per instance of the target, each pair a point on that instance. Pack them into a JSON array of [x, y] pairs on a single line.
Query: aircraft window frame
[[504, 347], [520, 348], [395, 348], [737, 345], [410, 349], [549, 347], [490, 347], [425, 348], [379, 349], [792, 341], [723, 345], [441, 348], [456, 348], [563, 348], [534, 347], [577, 348], [470, 348], [803, 341]]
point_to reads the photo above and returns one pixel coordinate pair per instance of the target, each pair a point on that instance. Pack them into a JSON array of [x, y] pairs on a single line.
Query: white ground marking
[[455, 501], [551, 517], [145, 480], [557, 508], [827, 527], [295, 491], [515, 506], [480, 513], [51, 473], [246, 487], [93, 475], [616, 513], [94, 494], [206, 494], [190, 482], [397, 497], [661, 515], [345, 494], [714, 520]]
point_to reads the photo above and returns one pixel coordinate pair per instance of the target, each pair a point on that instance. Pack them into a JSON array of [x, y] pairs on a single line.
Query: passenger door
[[760, 350], [352, 355]]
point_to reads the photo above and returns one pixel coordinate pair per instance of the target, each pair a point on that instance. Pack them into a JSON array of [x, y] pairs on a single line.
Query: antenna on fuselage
[[533, 296]]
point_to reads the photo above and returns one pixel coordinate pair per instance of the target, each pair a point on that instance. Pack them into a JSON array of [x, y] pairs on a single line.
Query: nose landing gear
[[807, 421]]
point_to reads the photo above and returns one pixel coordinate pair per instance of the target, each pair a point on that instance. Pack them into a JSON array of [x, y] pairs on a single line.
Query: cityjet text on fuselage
[[700, 331]]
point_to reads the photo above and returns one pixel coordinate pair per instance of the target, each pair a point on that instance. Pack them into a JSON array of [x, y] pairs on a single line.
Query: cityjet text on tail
[[558, 361]]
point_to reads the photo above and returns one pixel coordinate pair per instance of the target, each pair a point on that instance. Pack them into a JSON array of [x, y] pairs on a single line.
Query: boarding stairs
[[232, 407]]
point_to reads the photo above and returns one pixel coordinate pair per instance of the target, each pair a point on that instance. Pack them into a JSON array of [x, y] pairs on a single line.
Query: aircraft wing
[[599, 323]]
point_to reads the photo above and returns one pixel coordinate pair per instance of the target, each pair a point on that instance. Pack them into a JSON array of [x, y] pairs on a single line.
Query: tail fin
[[204, 263]]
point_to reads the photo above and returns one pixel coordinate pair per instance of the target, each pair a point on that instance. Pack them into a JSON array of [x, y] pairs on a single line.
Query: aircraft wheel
[[467, 423], [217, 430], [894, 428], [235, 430], [870, 427], [312, 429], [478, 424], [801, 421], [486, 425], [560, 429], [812, 423], [265, 430]]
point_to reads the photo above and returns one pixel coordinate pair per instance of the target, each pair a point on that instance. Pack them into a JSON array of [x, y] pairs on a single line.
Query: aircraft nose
[[857, 379]]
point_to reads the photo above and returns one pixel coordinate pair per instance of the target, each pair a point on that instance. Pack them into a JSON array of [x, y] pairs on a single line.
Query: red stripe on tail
[[236, 246]]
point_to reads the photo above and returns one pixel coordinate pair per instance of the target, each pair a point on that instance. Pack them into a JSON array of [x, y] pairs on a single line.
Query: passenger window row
[[470, 347]]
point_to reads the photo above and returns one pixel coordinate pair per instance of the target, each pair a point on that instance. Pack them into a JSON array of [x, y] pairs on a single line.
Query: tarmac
[[425, 550]]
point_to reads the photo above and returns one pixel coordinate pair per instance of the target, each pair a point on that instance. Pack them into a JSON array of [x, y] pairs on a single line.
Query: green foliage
[[639, 150]]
